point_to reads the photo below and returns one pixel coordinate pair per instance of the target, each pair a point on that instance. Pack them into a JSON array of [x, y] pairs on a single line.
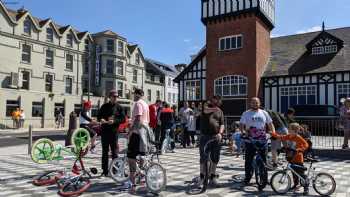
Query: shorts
[[134, 146], [276, 144], [91, 131]]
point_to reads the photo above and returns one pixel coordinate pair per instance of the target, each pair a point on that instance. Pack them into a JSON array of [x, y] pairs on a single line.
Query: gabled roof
[[14, 16], [131, 48], [150, 67], [202, 53], [290, 55], [109, 33], [165, 68], [324, 36]]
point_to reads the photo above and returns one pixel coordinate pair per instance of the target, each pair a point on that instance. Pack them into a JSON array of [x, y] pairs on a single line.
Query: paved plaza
[[17, 171]]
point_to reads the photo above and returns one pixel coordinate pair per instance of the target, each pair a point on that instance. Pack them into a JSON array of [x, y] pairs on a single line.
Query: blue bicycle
[[258, 164]]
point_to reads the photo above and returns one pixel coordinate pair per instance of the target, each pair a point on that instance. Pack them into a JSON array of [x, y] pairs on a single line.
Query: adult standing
[[15, 116], [111, 114], [153, 115], [212, 127], [22, 118], [167, 120], [345, 116], [184, 117], [139, 135], [253, 124]]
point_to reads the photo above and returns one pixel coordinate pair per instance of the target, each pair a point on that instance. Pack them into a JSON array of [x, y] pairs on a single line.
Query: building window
[[11, 106], [158, 95], [70, 40], [120, 68], [169, 97], [69, 62], [110, 67], [169, 82], [49, 34], [330, 49], [77, 109], [26, 53], [230, 42], [86, 64], [27, 26], [233, 85], [109, 85], [192, 90], [152, 78], [85, 86], [134, 76], [149, 95], [87, 45], [48, 82], [121, 47], [110, 45], [317, 50], [69, 85], [49, 57], [37, 109], [137, 59], [174, 98], [25, 80], [343, 90], [120, 89], [297, 95]]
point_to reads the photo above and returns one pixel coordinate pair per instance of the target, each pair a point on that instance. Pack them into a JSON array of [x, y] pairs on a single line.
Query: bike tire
[[156, 172], [78, 188], [277, 178], [80, 139], [48, 178], [261, 175], [119, 170], [207, 166], [42, 151], [316, 181]]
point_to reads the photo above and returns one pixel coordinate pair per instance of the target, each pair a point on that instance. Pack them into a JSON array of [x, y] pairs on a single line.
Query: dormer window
[[324, 50], [331, 49], [70, 40], [324, 43], [27, 26], [49, 34]]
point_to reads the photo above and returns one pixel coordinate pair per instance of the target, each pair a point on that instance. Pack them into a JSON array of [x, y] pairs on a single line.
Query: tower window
[[230, 42]]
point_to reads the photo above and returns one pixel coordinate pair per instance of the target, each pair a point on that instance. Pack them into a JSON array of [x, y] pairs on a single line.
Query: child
[[231, 148], [298, 159], [306, 134], [237, 138]]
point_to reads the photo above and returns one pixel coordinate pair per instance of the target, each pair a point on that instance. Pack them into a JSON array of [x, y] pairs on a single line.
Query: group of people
[[18, 117], [345, 120]]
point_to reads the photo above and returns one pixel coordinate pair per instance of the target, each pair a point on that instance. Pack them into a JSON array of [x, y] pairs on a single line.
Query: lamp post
[[89, 57]]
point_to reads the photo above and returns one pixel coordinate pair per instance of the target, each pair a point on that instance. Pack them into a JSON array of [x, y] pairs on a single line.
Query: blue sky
[[170, 30]]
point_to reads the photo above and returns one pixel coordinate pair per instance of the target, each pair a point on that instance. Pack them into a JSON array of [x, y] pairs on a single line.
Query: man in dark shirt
[[111, 115], [167, 122], [212, 127]]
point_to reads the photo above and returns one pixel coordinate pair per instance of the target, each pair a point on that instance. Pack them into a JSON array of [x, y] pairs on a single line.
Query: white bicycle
[[146, 170]]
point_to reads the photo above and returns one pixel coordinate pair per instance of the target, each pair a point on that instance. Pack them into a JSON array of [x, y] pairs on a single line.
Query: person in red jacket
[[153, 114]]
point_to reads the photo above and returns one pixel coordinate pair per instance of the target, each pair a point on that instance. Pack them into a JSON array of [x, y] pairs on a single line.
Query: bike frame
[[258, 156], [310, 170]]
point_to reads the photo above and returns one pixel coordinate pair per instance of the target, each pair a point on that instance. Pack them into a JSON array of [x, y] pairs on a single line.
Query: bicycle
[[166, 145], [153, 172], [258, 164], [198, 186], [281, 181]]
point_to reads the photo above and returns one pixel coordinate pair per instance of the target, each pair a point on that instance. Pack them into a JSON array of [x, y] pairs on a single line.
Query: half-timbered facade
[[241, 61]]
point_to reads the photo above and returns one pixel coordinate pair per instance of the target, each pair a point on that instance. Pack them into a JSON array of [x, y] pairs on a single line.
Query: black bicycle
[[258, 164], [198, 185]]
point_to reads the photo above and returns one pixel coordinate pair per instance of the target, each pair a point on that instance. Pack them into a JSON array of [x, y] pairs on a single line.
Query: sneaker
[[172, 151], [306, 191], [213, 182]]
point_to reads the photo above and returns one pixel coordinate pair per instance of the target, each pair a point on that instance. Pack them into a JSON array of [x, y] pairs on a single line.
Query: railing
[[9, 123], [327, 132]]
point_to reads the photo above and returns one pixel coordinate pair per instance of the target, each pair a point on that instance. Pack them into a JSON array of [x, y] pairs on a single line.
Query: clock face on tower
[[216, 9]]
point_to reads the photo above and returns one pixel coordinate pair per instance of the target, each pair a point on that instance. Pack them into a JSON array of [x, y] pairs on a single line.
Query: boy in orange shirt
[[298, 159]]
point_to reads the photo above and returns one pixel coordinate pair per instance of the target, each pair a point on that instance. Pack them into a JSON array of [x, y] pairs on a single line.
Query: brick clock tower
[[238, 48]]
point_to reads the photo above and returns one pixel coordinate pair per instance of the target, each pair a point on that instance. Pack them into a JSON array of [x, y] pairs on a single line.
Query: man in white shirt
[[253, 123], [184, 115]]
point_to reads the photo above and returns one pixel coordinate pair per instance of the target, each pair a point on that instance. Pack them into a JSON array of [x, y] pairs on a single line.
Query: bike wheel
[[281, 182], [80, 139], [261, 175], [42, 151], [48, 178], [156, 179], [75, 188], [324, 184], [119, 170]]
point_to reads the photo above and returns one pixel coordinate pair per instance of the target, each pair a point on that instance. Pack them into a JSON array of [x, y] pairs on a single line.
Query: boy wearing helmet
[[85, 119]]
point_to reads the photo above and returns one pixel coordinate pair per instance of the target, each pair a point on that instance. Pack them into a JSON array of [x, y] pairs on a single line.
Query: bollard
[[30, 139]]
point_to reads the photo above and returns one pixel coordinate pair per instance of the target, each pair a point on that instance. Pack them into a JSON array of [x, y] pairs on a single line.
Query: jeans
[[301, 172], [250, 152], [214, 148]]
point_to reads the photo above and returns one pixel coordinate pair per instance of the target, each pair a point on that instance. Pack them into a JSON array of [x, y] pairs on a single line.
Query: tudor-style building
[[240, 61]]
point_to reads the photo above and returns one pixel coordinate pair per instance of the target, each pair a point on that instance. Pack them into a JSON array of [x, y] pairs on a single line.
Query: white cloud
[[276, 35], [187, 40], [312, 29]]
